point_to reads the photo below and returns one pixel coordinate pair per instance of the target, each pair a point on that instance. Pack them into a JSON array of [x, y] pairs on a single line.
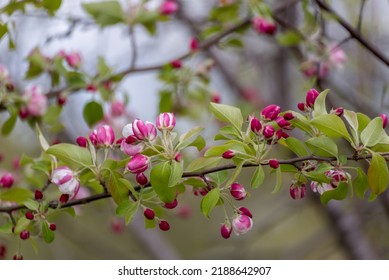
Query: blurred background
[[261, 73]]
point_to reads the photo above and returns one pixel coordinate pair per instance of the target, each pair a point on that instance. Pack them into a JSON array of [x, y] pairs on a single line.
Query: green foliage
[[72, 156], [258, 177], [378, 174], [127, 209], [117, 188], [163, 177], [289, 38], [332, 126], [9, 124], [339, 193], [296, 146], [93, 113], [51, 6], [229, 114], [322, 146], [210, 201], [105, 13], [360, 183], [48, 235], [17, 195]]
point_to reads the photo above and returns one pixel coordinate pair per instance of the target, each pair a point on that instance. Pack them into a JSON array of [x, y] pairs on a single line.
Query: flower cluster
[[241, 223]]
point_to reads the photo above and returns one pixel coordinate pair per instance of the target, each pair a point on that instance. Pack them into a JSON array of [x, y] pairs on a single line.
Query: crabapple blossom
[[297, 191], [36, 101], [237, 191], [168, 7], [138, 164], [228, 154], [262, 25], [149, 214], [7, 180], [245, 211], [271, 112], [66, 180], [310, 99], [117, 108], [255, 125], [225, 231], [73, 59], [144, 130], [242, 224], [166, 121], [163, 225], [384, 120]]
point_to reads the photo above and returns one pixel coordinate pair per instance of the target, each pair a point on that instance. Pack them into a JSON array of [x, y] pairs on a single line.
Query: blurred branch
[[55, 204], [355, 33]]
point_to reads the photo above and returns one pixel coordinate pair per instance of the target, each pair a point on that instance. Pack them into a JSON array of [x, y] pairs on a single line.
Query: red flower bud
[[288, 116], [228, 154], [149, 214], [164, 225], [384, 120], [297, 192], [168, 7], [338, 111], [38, 195], [302, 106], [25, 234], [141, 179], [271, 112], [53, 227], [166, 121], [61, 100], [64, 198], [237, 191], [268, 131], [138, 164], [310, 99], [273, 163], [178, 157], [82, 141], [7, 180], [194, 44], [216, 97], [29, 215], [262, 25], [255, 125], [176, 64], [245, 211], [171, 205], [282, 122], [225, 231]]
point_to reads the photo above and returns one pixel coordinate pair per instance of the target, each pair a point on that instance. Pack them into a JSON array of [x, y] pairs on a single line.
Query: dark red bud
[[273, 163], [301, 106], [228, 154], [38, 195], [29, 215], [141, 179], [384, 120], [64, 198], [171, 205], [82, 141], [53, 227], [149, 214], [164, 225], [288, 116], [225, 231], [245, 211], [25, 234]]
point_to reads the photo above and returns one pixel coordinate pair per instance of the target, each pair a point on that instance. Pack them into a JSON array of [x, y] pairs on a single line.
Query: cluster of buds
[[310, 99], [336, 177], [241, 224], [271, 126], [36, 102], [263, 26]]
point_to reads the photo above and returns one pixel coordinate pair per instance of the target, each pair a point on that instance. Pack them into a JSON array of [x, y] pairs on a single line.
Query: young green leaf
[[258, 177], [21, 225], [117, 188], [373, 133], [93, 113], [105, 13], [48, 235], [352, 119], [297, 146], [17, 195], [71, 155], [339, 193], [162, 177], [127, 209], [332, 126], [202, 163], [320, 104], [278, 181], [322, 146], [210, 201], [360, 183], [9, 124], [229, 114], [378, 174]]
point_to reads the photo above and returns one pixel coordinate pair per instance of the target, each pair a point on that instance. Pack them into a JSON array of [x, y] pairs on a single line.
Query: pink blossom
[[262, 25], [337, 56], [117, 108], [105, 135], [7, 180], [242, 224], [144, 130], [66, 180], [36, 101], [271, 112], [225, 231], [168, 7], [138, 164], [74, 59], [237, 191], [166, 121]]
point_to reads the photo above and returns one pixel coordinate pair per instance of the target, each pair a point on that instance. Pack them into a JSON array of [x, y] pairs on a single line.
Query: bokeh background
[[264, 71]]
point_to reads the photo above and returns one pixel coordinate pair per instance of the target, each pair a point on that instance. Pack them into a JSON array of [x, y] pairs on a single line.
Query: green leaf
[[229, 114], [187, 138], [289, 38], [17, 195], [6, 228], [165, 101], [9, 124], [373, 133], [117, 188], [258, 177], [3, 29], [75, 80], [93, 113], [105, 13], [227, 133], [42, 140], [71, 155], [210, 201], [322, 146], [237, 170], [378, 174], [202, 163], [195, 182], [199, 143], [21, 225], [52, 5], [360, 183], [127, 209], [352, 119], [363, 121], [218, 177], [162, 177], [48, 235], [176, 171], [232, 42], [339, 193], [129, 186], [278, 181], [320, 104], [297, 146], [301, 123], [332, 126], [317, 176], [31, 204]]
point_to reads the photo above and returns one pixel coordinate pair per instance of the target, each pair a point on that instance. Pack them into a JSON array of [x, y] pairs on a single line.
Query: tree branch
[[54, 204]]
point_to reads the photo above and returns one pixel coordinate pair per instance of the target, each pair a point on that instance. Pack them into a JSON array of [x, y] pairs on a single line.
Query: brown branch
[[54, 204], [354, 33]]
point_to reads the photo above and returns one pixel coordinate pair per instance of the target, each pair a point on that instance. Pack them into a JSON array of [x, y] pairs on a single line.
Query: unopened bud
[[273, 163], [228, 154]]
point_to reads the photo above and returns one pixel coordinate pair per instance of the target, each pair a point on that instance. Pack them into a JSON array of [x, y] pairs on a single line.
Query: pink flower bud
[[61, 100], [178, 157], [261, 25], [25, 234], [131, 149], [93, 137], [228, 154], [66, 180], [171, 205], [166, 121], [82, 141], [310, 99], [338, 111], [279, 134], [138, 164], [225, 231], [337, 56], [302, 106], [297, 192], [255, 125], [177, 64], [194, 44], [282, 122], [141, 179], [273, 163], [163, 225], [91, 87], [144, 130], [7, 180], [74, 59], [384, 120], [268, 131], [284, 135], [271, 112], [288, 116], [242, 224], [36, 101], [149, 214], [3, 251], [105, 135], [117, 108], [38, 195], [245, 211], [216, 97], [237, 191], [168, 7]]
